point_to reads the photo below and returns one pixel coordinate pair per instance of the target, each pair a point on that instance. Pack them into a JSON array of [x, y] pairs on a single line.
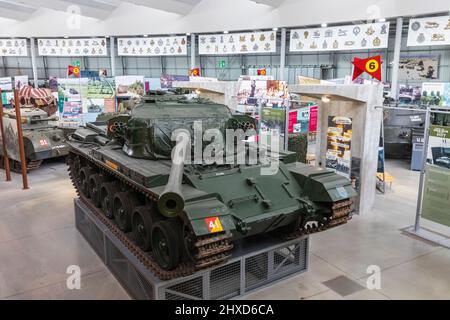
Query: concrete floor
[[38, 241]]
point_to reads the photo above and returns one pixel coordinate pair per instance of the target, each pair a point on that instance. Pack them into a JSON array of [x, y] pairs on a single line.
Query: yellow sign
[[372, 66]]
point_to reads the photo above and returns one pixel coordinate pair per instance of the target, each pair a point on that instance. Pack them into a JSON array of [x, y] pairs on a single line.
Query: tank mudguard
[[321, 185], [209, 216]]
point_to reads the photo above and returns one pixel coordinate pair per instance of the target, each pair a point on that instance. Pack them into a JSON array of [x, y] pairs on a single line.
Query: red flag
[[73, 71], [194, 72], [371, 65]]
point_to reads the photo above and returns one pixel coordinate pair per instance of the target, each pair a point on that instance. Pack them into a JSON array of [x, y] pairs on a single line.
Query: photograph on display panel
[[339, 138], [418, 67]]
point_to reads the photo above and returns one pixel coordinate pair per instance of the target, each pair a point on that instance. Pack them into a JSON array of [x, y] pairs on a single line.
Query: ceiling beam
[[272, 3], [98, 12], [172, 6], [12, 10]]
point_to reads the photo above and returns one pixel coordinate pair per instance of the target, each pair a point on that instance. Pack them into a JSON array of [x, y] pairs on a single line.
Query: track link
[[342, 211]]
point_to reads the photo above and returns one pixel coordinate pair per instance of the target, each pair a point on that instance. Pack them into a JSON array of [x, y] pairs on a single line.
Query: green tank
[[42, 139], [188, 212]]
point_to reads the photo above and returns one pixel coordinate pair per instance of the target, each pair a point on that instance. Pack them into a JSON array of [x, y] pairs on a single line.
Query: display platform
[[256, 263]]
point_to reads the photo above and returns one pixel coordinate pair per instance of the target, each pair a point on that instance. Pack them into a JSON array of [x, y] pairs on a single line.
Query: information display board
[[72, 47], [237, 43], [431, 31], [13, 47], [152, 46], [350, 37]]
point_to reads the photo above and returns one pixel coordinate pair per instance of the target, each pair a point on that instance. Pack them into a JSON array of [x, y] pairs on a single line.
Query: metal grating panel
[[256, 270], [253, 266]]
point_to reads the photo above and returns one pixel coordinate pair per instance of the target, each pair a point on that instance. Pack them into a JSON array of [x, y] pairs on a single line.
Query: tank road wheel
[[142, 227], [165, 244], [83, 180], [107, 193], [123, 206], [95, 183]]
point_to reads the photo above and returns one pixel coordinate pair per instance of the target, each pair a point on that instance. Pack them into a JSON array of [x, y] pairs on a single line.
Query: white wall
[[217, 15]]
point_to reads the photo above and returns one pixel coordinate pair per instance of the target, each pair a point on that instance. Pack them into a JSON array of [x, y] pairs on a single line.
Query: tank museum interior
[[224, 150]]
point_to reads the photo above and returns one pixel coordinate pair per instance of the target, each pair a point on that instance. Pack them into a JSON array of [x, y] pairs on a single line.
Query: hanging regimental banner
[[351, 37], [152, 46], [432, 31], [13, 47], [72, 47], [237, 43]]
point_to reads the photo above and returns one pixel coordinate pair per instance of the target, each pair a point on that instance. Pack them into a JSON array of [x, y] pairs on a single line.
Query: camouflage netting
[[298, 143]]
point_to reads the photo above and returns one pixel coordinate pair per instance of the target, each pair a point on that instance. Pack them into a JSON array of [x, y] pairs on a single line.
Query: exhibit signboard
[[436, 93], [349, 37], [129, 86], [237, 43], [11, 138], [152, 46], [436, 197], [418, 67], [72, 47], [339, 138], [6, 84], [13, 47], [431, 31]]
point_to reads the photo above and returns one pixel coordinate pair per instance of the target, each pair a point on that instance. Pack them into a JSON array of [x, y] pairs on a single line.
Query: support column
[[282, 53], [193, 37], [112, 53], [396, 61], [33, 62]]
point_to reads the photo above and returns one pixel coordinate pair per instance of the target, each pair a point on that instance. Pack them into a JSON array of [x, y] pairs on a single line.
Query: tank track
[[211, 249], [341, 213], [16, 167]]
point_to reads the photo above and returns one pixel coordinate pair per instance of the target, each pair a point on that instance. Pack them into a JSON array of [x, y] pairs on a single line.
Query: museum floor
[[38, 241]]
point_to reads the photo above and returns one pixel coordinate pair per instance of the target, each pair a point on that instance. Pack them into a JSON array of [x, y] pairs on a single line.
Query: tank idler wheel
[[123, 206], [95, 183], [142, 227], [165, 244], [83, 180], [107, 193]]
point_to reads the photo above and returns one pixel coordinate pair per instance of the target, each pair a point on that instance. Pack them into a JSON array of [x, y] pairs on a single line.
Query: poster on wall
[[7, 98], [72, 110], [129, 86], [418, 67], [409, 94], [313, 119], [299, 120], [237, 43], [339, 138], [72, 47], [273, 119], [436, 93], [431, 31], [152, 46], [11, 138], [166, 80], [20, 81], [13, 47], [350, 37], [6, 84], [101, 88]]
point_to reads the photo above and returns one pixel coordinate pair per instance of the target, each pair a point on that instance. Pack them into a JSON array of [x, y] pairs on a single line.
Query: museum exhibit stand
[[358, 102]]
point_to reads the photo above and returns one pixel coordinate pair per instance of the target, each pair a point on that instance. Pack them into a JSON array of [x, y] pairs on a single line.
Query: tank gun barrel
[[171, 201]]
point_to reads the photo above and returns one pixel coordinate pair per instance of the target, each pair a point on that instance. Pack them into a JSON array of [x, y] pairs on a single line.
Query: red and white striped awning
[[36, 93]]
